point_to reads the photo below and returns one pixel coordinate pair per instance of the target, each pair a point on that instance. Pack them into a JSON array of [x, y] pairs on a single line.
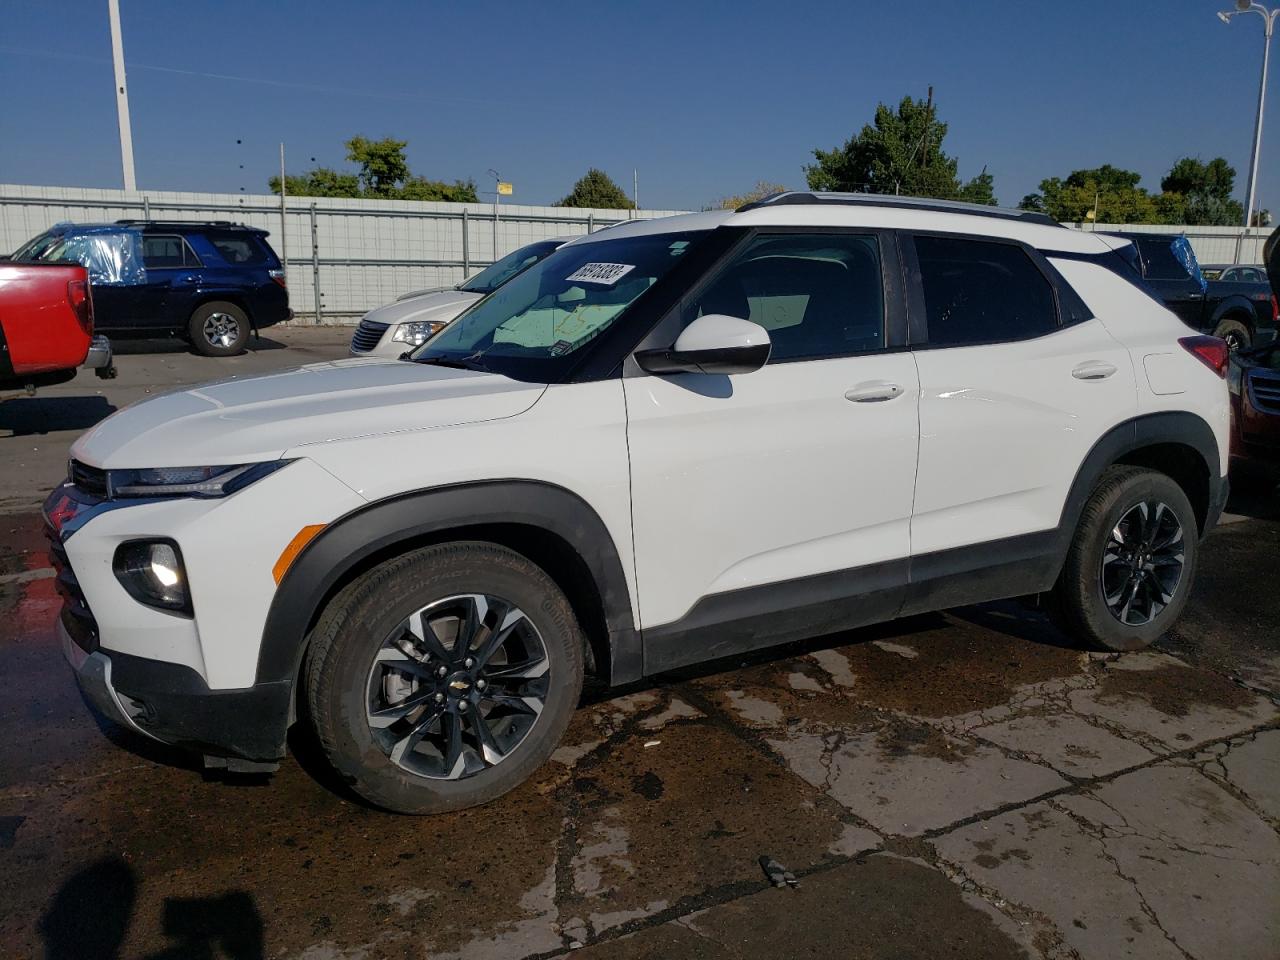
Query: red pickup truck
[[46, 326]]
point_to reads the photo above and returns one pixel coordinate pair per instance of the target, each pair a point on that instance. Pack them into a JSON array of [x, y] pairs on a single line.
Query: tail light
[[1275, 310], [81, 300], [1210, 351], [278, 277]]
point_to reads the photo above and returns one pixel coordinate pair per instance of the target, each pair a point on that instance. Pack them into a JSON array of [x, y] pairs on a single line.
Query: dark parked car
[[209, 283], [1243, 314], [1234, 273], [1254, 382]]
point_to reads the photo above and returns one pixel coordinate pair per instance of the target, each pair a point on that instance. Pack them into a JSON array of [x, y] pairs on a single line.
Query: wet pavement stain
[[1175, 690]]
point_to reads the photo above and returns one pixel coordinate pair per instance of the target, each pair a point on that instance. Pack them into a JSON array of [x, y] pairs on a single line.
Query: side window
[[238, 249], [158, 252], [818, 295], [980, 292], [1162, 264]]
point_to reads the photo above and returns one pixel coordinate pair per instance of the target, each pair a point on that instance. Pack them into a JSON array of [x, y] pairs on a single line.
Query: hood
[[444, 305], [260, 418], [1271, 257]]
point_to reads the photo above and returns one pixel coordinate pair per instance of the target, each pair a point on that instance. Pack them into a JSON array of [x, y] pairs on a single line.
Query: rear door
[[788, 488], [168, 297], [1017, 382]]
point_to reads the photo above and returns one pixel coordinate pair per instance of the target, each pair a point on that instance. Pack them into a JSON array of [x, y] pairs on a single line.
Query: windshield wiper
[[467, 364]]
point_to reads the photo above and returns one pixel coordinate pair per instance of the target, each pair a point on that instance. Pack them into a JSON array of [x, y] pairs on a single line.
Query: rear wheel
[[218, 329], [1235, 333], [444, 678], [1131, 564]]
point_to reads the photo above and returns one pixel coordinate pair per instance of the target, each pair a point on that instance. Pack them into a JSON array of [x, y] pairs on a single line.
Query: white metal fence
[[353, 255], [350, 255]]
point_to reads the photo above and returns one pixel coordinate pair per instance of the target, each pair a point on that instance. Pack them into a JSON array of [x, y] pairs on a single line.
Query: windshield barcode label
[[605, 273]]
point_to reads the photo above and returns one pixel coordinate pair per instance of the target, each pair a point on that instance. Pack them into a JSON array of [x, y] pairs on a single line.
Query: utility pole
[[284, 242], [122, 96], [635, 189], [928, 122]]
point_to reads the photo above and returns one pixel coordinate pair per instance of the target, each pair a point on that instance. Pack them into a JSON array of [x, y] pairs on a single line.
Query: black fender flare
[[1178, 427], [1235, 303], [379, 527]]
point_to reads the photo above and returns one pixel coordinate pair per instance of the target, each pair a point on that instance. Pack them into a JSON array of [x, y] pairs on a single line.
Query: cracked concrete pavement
[[963, 784]]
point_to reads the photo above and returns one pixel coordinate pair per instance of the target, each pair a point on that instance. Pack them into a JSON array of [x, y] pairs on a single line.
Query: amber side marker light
[[300, 540]]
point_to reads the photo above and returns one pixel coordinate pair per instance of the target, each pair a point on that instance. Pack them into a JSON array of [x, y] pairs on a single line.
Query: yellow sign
[[504, 188]]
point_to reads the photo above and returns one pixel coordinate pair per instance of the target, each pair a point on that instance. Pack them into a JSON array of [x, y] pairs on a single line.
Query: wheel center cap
[[459, 684]]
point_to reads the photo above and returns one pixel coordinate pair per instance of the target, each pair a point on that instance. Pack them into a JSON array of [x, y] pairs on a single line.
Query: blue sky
[[704, 98]]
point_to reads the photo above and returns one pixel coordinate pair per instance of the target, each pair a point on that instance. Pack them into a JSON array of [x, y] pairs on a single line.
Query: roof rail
[[182, 223], [798, 197]]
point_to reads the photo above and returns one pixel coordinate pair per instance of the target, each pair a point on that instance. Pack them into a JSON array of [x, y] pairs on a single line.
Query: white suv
[[675, 441], [415, 317]]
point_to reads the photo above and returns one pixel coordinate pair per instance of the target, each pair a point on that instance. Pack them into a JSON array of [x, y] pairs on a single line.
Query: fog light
[[152, 572]]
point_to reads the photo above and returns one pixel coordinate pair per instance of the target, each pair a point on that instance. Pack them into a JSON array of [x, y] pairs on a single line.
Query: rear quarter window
[[240, 249]]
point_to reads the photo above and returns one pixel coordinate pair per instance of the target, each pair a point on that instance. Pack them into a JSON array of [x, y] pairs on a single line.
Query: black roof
[[797, 197]]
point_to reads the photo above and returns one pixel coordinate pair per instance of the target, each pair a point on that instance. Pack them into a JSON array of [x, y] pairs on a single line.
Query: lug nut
[[442, 672], [480, 684], [469, 663], [439, 698], [462, 705]]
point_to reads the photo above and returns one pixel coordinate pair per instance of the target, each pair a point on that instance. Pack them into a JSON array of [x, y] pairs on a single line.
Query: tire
[[1080, 597], [436, 757], [1235, 333], [218, 329]]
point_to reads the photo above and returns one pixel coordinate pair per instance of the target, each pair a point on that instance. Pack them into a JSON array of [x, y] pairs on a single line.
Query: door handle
[[875, 391], [1093, 370], [189, 278]]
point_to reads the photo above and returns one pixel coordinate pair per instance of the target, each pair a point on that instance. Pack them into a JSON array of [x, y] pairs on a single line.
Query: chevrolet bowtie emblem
[[458, 685]]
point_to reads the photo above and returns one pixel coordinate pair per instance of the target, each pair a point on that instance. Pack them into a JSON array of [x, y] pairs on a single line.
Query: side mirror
[[714, 343]]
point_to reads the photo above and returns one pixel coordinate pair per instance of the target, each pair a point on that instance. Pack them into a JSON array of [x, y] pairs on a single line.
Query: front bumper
[[171, 703]]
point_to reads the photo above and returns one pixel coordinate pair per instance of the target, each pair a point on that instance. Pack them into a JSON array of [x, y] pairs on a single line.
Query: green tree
[[1206, 191], [382, 163], [900, 152], [1112, 191], [420, 188], [762, 189], [596, 189], [383, 174]]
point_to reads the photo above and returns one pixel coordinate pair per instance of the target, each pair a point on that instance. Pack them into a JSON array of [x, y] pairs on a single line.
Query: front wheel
[[218, 329], [443, 678], [1131, 564]]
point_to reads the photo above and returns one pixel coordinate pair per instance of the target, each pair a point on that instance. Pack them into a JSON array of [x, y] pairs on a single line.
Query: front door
[[786, 488]]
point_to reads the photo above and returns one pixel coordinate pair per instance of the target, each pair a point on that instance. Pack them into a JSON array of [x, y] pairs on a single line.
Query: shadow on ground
[[90, 915], [38, 415]]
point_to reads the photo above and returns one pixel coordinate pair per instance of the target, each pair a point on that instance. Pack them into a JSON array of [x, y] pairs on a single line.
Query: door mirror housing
[[714, 343]]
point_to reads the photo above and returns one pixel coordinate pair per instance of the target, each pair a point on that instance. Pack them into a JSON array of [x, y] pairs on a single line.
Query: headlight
[[152, 573], [418, 332], [188, 481]]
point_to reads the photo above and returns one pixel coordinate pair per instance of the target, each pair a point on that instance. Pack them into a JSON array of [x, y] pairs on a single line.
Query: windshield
[[500, 271], [547, 314], [36, 247]]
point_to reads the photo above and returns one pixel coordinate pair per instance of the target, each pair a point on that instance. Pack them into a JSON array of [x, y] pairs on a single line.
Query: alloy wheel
[[457, 686], [221, 329], [1142, 563]]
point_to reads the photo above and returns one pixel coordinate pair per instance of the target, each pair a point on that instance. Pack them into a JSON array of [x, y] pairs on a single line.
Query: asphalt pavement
[[960, 785]]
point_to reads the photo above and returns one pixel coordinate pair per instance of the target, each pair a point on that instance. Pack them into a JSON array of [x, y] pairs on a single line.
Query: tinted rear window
[[1162, 264], [979, 292], [240, 249]]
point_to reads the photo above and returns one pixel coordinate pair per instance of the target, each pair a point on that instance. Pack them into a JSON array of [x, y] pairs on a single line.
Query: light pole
[[497, 196], [122, 96], [1269, 18]]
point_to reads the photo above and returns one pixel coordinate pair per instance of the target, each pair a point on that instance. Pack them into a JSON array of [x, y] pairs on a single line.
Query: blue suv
[[210, 283]]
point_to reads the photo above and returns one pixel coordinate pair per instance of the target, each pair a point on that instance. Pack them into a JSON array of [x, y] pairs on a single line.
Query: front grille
[[367, 335], [1266, 390], [76, 616], [90, 480]]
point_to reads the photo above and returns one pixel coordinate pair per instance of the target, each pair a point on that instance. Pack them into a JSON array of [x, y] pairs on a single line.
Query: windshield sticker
[[604, 273], [560, 348]]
